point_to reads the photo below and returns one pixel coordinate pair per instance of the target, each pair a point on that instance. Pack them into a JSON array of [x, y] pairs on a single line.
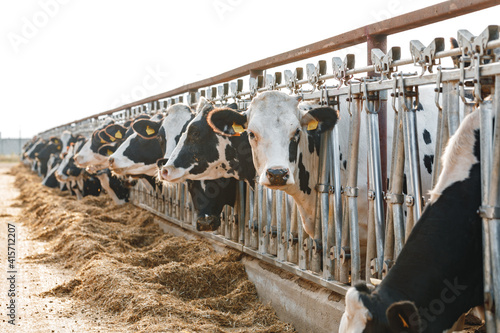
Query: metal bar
[[486, 147], [397, 187], [281, 225], [375, 181], [242, 210], [418, 18], [450, 90], [352, 183], [336, 242], [494, 201], [411, 144]]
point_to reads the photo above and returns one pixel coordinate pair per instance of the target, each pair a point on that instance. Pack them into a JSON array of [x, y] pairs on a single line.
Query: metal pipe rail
[[418, 18]]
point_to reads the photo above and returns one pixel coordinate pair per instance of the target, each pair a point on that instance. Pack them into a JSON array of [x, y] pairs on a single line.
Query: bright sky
[[67, 59]]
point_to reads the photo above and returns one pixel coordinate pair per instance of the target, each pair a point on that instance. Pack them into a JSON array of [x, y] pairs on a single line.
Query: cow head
[[275, 124], [203, 153], [138, 153], [364, 313], [89, 154]]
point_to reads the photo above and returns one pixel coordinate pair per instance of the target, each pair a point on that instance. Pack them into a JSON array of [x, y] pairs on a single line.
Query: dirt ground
[[34, 312], [92, 266]]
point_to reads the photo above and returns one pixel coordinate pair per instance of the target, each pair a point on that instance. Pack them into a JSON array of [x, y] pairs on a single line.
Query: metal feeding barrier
[[266, 224]]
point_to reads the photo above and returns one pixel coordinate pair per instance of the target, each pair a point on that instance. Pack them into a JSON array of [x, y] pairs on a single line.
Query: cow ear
[[320, 119], [227, 122], [146, 129], [115, 132], [403, 317], [106, 150], [104, 138], [203, 106]]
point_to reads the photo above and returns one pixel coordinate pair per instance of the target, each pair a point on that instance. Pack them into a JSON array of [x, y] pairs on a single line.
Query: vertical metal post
[[411, 145], [350, 231], [380, 42], [486, 135], [397, 179], [281, 225], [260, 218], [375, 181], [450, 91], [293, 237], [272, 215], [335, 227], [242, 211], [494, 201]]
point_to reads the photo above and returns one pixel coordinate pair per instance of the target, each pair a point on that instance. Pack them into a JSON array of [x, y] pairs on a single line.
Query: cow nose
[[161, 162], [164, 172], [277, 177]]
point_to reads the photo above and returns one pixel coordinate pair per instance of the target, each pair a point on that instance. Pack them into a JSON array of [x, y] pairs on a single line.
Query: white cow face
[[175, 122], [366, 312], [276, 127]]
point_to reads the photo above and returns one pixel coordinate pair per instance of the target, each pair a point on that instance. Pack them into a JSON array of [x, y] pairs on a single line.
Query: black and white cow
[[53, 146], [285, 154], [202, 153], [80, 182], [30, 154], [438, 275], [153, 140], [50, 179], [89, 155]]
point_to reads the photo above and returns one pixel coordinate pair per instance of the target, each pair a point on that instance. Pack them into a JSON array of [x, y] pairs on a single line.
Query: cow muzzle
[[171, 174], [278, 176], [208, 223]]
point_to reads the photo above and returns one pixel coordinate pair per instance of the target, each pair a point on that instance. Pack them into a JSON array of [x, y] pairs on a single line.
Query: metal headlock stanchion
[[375, 193]]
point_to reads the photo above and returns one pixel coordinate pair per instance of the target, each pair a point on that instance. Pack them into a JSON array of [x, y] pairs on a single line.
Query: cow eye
[[251, 135]]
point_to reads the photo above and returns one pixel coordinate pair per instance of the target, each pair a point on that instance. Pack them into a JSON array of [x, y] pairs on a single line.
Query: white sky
[[89, 56]]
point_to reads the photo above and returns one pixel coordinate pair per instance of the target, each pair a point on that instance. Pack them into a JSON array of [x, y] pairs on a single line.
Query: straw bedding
[[126, 265]]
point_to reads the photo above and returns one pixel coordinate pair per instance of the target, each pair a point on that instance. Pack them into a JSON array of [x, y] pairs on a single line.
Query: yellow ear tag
[[102, 141], [149, 130], [109, 152], [238, 128], [112, 139], [58, 147], [312, 125], [405, 324], [118, 135]]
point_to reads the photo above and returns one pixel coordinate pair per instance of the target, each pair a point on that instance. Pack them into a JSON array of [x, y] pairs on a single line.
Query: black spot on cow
[[428, 162], [418, 107], [427, 137], [91, 186], [314, 141], [200, 147], [345, 164], [303, 177], [293, 148], [146, 151], [209, 198], [119, 186], [340, 158], [232, 158]]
